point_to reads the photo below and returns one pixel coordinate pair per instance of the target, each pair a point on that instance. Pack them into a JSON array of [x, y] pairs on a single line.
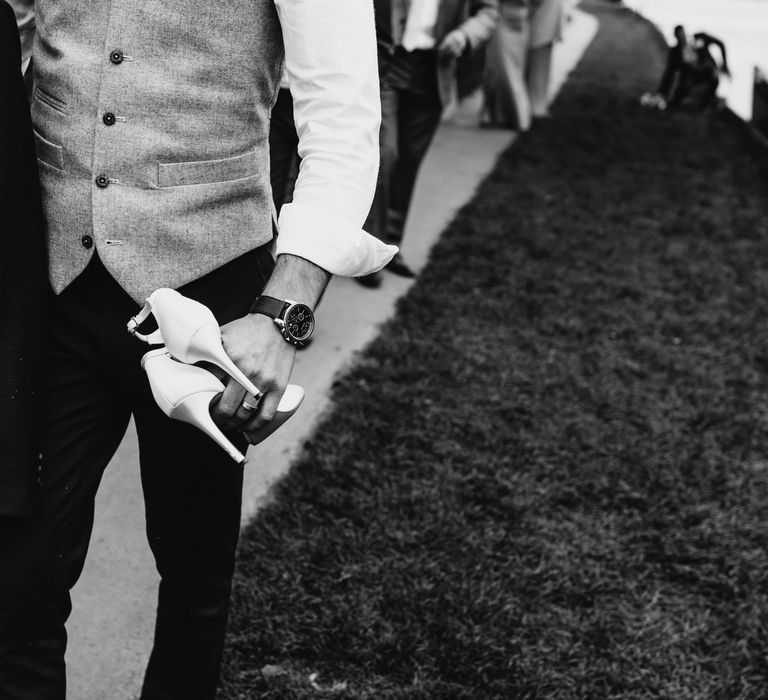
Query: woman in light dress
[[546, 28], [519, 61]]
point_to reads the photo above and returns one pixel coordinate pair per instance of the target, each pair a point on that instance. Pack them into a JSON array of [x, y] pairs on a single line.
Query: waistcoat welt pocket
[[202, 172], [53, 102], [48, 152]]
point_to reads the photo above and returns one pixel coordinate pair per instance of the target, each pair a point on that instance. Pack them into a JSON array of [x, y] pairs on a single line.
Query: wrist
[[296, 278]]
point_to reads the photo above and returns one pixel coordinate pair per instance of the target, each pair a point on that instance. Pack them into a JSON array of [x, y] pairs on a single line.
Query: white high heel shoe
[[189, 330], [184, 392]]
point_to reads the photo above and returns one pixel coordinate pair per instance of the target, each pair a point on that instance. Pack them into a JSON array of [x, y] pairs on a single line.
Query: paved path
[[741, 24], [111, 626]]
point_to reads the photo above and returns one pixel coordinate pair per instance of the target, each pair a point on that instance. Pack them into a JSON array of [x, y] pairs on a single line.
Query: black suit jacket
[[23, 283]]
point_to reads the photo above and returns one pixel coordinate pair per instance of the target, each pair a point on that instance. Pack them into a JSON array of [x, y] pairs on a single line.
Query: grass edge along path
[[548, 477]]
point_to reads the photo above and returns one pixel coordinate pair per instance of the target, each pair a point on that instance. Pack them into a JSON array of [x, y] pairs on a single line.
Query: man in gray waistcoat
[[151, 123]]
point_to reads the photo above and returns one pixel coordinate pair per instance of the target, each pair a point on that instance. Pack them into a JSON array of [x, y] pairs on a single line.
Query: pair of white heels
[[183, 390]]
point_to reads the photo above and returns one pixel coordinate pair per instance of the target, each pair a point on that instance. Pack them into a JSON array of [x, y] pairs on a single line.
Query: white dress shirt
[[419, 32], [330, 53]]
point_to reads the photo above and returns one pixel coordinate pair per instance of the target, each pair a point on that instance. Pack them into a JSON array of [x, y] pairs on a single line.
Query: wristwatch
[[294, 319]]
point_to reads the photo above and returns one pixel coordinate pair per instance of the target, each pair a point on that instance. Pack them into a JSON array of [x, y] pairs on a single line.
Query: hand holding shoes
[[185, 391]]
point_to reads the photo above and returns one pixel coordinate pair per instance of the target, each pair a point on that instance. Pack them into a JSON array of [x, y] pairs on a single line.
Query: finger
[[224, 410], [267, 411], [248, 409]]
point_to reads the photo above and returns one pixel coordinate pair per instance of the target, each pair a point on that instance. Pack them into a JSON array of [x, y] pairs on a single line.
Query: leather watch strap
[[269, 306]]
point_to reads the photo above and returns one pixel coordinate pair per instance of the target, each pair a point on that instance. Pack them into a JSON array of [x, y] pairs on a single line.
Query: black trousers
[[192, 493], [410, 115]]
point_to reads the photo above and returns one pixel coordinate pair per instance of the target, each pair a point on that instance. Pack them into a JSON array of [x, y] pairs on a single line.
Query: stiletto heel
[[184, 392], [189, 331]]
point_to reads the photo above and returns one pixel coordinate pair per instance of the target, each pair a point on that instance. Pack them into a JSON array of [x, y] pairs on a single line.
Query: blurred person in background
[[547, 18], [691, 75], [419, 42], [505, 91], [23, 287]]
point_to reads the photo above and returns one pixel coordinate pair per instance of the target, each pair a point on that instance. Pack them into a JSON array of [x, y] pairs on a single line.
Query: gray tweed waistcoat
[[151, 125]]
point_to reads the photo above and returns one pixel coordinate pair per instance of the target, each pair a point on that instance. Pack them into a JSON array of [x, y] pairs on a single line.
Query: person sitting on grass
[[692, 75]]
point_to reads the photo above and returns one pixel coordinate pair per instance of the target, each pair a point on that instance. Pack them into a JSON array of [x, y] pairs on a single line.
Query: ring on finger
[[247, 406]]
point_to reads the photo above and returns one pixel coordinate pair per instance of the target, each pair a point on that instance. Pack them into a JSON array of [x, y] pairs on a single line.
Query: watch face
[[299, 321]]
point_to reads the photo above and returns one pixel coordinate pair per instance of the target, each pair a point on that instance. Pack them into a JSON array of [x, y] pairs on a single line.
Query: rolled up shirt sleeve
[[330, 53]]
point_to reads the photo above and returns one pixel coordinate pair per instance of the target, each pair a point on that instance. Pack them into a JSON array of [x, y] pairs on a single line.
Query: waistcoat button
[[116, 57], [102, 181], [87, 241], [108, 118]]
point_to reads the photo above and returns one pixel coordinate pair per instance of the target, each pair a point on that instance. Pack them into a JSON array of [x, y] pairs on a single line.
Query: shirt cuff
[[315, 234]]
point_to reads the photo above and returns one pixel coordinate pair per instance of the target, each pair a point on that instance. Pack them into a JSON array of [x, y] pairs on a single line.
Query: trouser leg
[[83, 418], [192, 493], [417, 121], [376, 223]]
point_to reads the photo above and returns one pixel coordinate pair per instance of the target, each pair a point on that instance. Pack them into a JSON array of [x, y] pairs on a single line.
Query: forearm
[[297, 279]]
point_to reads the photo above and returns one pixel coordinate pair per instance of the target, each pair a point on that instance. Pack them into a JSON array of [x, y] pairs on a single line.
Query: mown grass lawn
[[548, 477]]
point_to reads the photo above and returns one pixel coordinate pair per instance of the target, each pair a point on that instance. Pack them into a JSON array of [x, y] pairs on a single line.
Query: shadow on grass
[[548, 477]]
